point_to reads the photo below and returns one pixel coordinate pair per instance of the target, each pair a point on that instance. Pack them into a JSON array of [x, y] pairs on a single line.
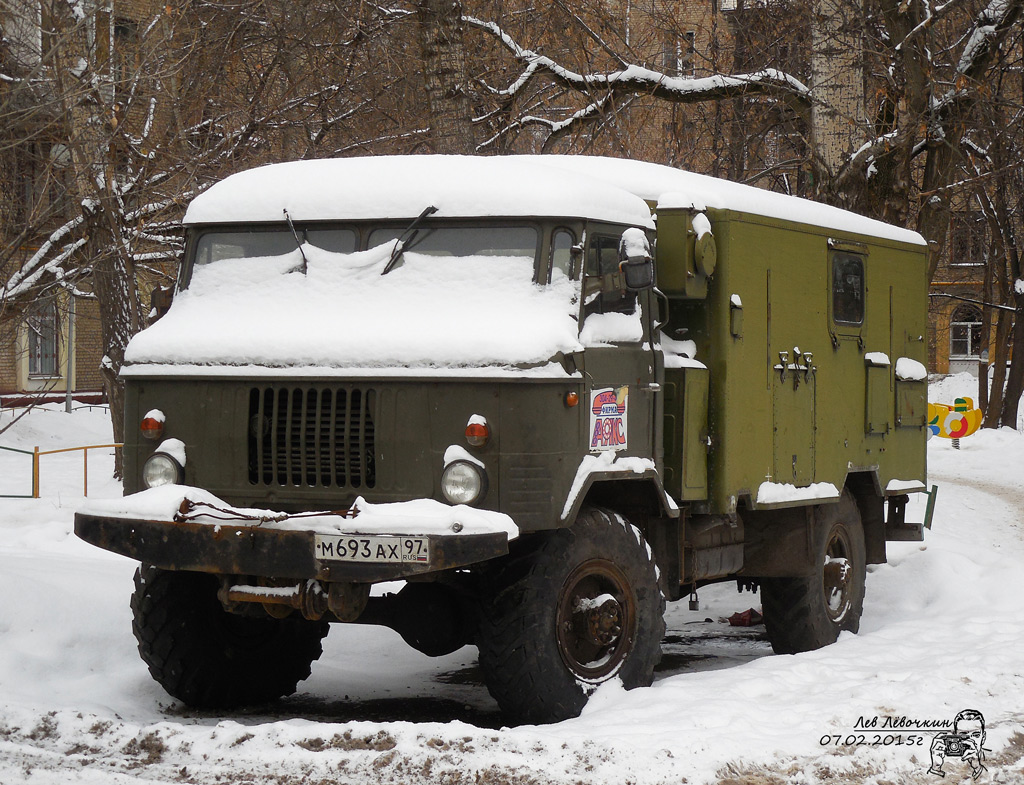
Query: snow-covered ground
[[942, 631]]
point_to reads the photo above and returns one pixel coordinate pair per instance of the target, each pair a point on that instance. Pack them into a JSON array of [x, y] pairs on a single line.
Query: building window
[[42, 340], [126, 52], [688, 54], [968, 239], [679, 54], [965, 333]]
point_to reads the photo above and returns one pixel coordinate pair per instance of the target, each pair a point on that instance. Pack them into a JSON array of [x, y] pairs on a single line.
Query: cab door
[[620, 367]]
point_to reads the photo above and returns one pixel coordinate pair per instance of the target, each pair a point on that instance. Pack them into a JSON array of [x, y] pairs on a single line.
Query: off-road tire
[[803, 614], [209, 658], [532, 633]]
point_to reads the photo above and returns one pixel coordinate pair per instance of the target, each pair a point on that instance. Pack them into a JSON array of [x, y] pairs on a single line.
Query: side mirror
[[159, 301], [638, 273], [636, 263]]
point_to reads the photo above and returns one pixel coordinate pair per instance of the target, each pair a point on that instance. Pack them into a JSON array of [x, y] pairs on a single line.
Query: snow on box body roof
[[396, 187], [680, 188]]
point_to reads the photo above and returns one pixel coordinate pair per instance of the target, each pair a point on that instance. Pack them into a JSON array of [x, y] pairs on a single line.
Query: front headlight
[[161, 469], [463, 482]]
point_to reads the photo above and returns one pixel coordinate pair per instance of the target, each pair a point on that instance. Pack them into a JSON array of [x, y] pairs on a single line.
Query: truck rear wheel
[[802, 614], [209, 658], [580, 609]]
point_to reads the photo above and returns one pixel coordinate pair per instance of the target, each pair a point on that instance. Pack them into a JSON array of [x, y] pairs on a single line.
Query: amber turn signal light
[[152, 428], [477, 434], [572, 399]]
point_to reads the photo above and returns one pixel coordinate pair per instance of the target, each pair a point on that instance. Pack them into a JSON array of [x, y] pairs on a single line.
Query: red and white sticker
[[608, 419]]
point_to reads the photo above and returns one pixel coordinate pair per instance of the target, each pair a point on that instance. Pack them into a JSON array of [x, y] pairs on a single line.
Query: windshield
[[435, 310], [462, 241], [217, 246]]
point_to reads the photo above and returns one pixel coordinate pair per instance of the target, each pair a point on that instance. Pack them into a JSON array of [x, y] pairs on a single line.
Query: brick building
[[50, 341], [957, 294], [34, 357]]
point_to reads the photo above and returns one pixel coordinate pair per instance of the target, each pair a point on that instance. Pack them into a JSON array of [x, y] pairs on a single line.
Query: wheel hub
[[837, 577], [596, 613], [602, 624]]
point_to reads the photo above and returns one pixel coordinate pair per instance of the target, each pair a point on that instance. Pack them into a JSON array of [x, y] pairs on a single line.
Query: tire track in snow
[[1010, 499]]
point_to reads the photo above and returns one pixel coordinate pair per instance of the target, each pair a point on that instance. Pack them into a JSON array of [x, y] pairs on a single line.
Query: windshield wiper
[[406, 238], [305, 263]]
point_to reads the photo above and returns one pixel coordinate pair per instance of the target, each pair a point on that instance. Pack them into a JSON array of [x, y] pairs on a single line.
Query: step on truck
[[537, 397]]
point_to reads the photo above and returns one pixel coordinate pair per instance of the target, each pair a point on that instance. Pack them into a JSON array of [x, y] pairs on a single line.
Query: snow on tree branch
[[635, 79], [990, 27], [557, 128], [40, 262], [931, 17]]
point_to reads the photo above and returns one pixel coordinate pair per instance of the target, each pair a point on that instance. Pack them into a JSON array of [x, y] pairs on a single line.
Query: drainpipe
[[70, 354]]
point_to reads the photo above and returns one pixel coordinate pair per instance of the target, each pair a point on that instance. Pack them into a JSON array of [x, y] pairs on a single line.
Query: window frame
[[974, 334], [573, 271], [42, 319], [843, 325]]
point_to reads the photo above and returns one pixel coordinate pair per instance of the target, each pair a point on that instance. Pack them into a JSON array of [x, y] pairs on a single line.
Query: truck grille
[[312, 437]]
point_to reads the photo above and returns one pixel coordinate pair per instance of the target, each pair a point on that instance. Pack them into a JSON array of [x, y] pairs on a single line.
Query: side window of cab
[[602, 259], [562, 256]]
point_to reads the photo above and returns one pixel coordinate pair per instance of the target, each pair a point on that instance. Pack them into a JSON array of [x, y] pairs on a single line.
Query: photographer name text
[[900, 723]]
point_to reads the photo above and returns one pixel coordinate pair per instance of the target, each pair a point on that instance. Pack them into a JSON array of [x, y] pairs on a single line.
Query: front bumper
[[257, 551]]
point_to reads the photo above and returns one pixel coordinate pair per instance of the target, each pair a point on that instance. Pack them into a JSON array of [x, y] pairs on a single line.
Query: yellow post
[[35, 474], [85, 471]]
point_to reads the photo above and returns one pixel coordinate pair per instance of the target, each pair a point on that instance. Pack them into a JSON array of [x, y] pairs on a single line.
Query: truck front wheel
[[802, 614], [209, 658], [582, 607]]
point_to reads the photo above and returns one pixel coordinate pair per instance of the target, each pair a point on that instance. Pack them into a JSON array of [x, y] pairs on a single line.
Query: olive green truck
[[540, 396]]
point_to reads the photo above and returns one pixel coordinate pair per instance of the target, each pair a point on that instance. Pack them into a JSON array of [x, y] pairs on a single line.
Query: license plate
[[371, 549]]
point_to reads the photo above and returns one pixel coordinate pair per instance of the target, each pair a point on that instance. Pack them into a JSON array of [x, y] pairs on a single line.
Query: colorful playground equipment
[[953, 422]]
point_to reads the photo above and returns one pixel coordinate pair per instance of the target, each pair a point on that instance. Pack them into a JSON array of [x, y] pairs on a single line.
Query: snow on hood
[[681, 188], [383, 187], [430, 312]]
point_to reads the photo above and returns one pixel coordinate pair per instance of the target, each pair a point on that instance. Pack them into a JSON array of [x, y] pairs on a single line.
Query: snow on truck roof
[[387, 186], [598, 188], [670, 187]]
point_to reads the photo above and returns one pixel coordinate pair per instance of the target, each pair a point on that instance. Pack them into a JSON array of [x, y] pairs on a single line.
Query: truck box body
[[851, 411]]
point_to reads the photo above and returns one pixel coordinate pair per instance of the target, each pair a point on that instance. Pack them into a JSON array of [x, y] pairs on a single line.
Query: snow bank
[[431, 311], [421, 516]]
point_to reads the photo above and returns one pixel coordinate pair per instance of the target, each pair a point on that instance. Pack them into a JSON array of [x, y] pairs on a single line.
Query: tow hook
[[311, 598]]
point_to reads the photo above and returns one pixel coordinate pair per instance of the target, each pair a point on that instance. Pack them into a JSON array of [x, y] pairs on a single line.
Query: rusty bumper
[[270, 553]]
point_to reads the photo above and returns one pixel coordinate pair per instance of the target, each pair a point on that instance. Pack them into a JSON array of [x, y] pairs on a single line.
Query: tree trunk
[[116, 293], [999, 357], [1015, 382], [837, 78], [444, 75]]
